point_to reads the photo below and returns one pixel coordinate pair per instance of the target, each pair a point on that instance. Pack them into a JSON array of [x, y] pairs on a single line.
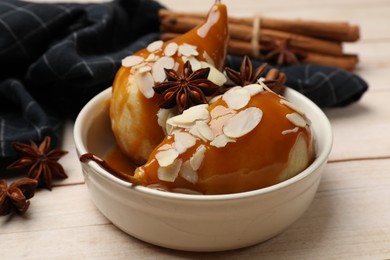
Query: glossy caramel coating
[[259, 159]]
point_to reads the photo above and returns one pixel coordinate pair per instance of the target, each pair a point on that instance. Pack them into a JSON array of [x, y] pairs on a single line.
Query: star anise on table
[[186, 89], [42, 163], [280, 52], [17, 195], [274, 79]]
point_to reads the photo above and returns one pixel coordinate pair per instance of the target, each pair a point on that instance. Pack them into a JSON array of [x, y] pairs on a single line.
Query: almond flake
[[190, 115], [292, 106], [220, 111], [197, 158], [195, 63], [296, 119], [151, 57], [154, 46], [162, 116], [186, 49], [254, 89], [170, 173], [166, 157], [215, 99], [176, 66], [221, 141], [165, 147], [215, 75], [219, 116], [145, 84], [158, 68], [130, 61], [236, 97], [294, 130], [188, 173], [170, 49], [208, 59], [204, 130], [243, 122], [144, 69], [183, 141]]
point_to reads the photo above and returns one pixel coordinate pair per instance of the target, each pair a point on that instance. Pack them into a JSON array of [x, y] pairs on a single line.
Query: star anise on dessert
[[17, 195], [42, 163], [246, 75], [274, 79], [186, 89], [280, 52]]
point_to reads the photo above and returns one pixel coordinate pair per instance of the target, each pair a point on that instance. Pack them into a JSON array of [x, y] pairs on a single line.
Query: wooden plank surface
[[349, 217]]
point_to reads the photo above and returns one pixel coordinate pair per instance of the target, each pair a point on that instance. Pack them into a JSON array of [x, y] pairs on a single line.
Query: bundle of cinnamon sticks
[[316, 42]]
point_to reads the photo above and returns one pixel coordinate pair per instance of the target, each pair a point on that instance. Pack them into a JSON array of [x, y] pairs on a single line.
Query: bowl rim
[[320, 159]]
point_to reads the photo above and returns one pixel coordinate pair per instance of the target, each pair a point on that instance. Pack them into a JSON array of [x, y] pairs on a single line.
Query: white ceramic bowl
[[197, 222]]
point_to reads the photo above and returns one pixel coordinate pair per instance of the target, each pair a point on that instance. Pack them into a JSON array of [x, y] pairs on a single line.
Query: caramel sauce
[[254, 161]]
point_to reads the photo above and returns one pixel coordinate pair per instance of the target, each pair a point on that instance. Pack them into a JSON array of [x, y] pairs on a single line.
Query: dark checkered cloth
[[56, 57]]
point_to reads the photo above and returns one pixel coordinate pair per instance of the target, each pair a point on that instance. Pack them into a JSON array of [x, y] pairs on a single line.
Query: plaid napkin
[[55, 57]]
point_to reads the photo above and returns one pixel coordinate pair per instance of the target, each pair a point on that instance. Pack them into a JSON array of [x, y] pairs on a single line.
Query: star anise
[[16, 195], [274, 79], [246, 76], [42, 162], [186, 89], [280, 52]]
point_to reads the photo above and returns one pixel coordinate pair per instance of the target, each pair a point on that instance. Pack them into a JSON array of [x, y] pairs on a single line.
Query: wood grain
[[349, 217]]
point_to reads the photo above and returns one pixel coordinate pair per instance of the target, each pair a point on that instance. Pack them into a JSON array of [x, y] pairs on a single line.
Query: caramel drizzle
[[87, 157]]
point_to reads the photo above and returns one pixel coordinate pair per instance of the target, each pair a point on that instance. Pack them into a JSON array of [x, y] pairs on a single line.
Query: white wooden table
[[349, 217]]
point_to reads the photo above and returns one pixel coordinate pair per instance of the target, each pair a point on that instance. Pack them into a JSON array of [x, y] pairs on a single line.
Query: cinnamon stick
[[245, 32], [238, 47], [336, 31]]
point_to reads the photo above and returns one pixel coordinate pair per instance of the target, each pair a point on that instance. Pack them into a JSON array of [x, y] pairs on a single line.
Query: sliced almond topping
[[145, 84], [292, 106], [158, 68], [144, 69], [163, 115], [208, 59], [176, 66], [236, 97], [195, 63], [166, 157], [138, 66], [197, 158], [170, 173], [214, 99], [294, 130], [204, 130], [219, 116], [130, 61], [219, 111], [254, 89], [222, 140], [215, 75], [296, 119], [186, 49], [154, 46], [183, 141], [243, 122], [165, 147], [195, 132], [170, 49], [151, 57], [190, 115], [188, 173]]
